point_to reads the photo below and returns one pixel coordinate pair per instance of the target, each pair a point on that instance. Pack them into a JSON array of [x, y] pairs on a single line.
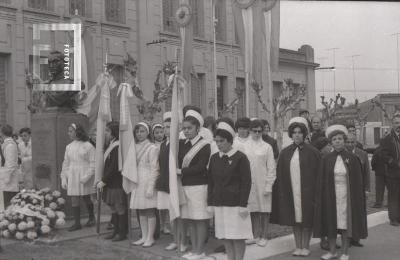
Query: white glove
[[243, 212], [210, 210], [64, 184], [100, 185], [179, 171]]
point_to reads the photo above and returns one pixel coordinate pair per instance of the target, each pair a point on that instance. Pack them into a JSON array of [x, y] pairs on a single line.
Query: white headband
[[73, 126], [196, 115], [226, 127], [333, 128], [156, 125], [167, 115], [145, 126], [299, 120]]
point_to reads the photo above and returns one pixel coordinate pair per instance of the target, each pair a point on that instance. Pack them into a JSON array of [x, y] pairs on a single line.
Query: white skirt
[[162, 200], [195, 207], [230, 225]]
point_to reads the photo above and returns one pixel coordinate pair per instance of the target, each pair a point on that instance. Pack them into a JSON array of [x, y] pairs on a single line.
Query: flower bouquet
[[32, 213]]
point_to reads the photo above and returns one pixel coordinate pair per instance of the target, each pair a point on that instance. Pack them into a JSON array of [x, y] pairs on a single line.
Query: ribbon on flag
[[127, 148], [257, 28], [105, 82]]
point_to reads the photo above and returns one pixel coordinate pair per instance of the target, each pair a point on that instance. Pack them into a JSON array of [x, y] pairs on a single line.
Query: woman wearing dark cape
[[340, 198], [293, 193]]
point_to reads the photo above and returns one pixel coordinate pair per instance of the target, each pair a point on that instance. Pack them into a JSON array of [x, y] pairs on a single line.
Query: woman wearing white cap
[[340, 198], [294, 189], [263, 174], [144, 198], [229, 183], [193, 157]]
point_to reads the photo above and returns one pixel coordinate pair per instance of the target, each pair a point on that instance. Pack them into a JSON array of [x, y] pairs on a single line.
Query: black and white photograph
[[199, 130]]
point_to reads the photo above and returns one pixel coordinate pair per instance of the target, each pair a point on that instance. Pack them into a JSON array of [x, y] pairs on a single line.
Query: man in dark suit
[[391, 156], [352, 130], [317, 134], [379, 167], [268, 139]]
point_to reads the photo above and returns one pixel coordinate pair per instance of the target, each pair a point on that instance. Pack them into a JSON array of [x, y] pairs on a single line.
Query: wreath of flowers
[[32, 213]]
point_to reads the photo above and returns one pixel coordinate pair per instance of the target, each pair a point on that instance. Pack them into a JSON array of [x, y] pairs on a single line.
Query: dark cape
[[325, 223], [282, 194]]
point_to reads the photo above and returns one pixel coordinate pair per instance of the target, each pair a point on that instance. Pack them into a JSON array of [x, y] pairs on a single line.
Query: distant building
[[377, 125], [120, 26]]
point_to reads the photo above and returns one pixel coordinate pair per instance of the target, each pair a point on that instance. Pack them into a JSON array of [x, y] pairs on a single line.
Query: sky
[[355, 28]]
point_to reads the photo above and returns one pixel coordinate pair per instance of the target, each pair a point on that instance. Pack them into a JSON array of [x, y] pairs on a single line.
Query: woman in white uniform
[[242, 126], [193, 158], [229, 183], [77, 175], [144, 197], [263, 174]]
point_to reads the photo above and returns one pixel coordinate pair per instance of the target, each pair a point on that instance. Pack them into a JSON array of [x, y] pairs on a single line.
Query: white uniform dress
[[78, 168], [295, 179], [147, 167], [240, 143], [26, 164], [9, 173], [263, 175], [340, 172]]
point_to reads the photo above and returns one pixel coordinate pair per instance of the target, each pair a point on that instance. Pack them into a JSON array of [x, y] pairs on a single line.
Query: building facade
[[117, 27]]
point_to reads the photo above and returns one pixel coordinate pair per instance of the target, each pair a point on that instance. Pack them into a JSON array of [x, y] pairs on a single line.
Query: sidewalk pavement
[[382, 243]]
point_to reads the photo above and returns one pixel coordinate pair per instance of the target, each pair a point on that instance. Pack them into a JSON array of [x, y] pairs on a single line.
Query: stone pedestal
[[49, 139]]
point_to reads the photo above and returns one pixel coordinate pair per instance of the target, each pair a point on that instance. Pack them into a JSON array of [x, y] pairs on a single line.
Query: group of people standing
[[15, 163], [233, 174]]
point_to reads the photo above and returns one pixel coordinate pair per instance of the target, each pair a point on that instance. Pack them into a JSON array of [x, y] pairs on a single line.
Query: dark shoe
[[220, 249], [324, 244], [356, 243], [74, 227], [110, 226], [91, 222], [76, 211], [118, 238], [377, 206], [394, 223]]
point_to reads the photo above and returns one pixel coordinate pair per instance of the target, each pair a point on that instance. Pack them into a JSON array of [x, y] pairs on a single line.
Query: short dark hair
[[80, 133], [7, 130], [295, 125], [167, 120], [114, 128], [348, 126], [303, 111], [25, 130], [256, 123], [265, 122], [243, 122]]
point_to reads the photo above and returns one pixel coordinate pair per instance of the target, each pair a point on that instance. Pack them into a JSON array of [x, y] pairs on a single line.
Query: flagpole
[[215, 21]]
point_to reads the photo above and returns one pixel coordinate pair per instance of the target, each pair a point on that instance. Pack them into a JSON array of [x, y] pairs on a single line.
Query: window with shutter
[[241, 106], [115, 11], [3, 85], [221, 89], [38, 4], [169, 9], [197, 90], [220, 15], [82, 6], [198, 17]]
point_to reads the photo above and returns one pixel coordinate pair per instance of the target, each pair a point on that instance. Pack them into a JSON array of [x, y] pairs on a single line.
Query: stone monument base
[[49, 139]]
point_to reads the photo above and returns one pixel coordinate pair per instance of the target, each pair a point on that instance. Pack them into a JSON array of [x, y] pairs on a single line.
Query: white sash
[[192, 152], [110, 148]]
